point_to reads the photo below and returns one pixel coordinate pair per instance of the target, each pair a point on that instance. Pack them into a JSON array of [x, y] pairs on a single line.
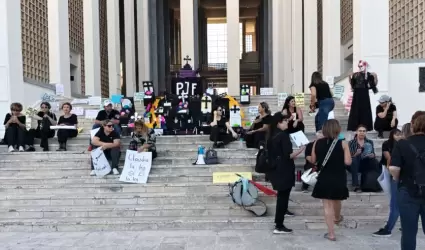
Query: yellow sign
[[299, 100], [230, 177]]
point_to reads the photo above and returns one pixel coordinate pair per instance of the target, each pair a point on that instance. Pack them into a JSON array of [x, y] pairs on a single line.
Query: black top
[[107, 138], [359, 81], [391, 109], [222, 123], [322, 90], [50, 114], [21, 119], [385, 148], [283, 177], [103, 115], [265, 120], [404, 157], [72, 120], [307, 152]]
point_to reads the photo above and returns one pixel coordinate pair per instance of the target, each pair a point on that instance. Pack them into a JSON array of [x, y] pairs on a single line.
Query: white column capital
[[92, 47], [59, 61]]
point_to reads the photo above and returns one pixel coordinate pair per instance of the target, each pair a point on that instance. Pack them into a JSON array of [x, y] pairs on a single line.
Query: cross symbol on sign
[[187, 59], [235, 109], [183, 97], [206, 100]]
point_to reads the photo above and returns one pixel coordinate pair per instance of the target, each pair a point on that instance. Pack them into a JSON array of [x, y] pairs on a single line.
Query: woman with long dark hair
[[221, 131], [387, 148], [322, 95], [295, 122], [45, 118], [259, 128], [282, 177]]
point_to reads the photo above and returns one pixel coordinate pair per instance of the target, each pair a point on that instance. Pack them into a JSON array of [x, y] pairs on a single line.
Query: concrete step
[[179, 223]]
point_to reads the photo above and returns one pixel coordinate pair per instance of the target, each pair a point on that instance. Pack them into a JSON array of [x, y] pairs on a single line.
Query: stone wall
[[346, 21]]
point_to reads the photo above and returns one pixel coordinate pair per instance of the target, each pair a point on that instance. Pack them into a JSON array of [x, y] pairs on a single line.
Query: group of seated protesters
[[17, 137]]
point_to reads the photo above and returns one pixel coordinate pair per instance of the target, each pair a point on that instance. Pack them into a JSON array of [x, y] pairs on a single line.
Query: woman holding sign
[[295, 123], [259, 128], [320, 94]]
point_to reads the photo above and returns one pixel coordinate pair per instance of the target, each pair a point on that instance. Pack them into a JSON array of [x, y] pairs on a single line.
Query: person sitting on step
[[45, 119], [219, 129], [295, 123], [15, 126], [143, 138], [259, 128], [363, 155], [67, 119], [386, 116], [109, 141], [108, 113]]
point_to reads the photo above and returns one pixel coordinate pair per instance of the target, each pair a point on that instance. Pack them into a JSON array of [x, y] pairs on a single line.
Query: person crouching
[[143, 140]]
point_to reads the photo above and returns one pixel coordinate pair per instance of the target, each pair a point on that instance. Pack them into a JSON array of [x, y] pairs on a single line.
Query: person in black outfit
[[386, 116], [45, 119], [331, 155], [282, 177], [405, 163], [321, 95], [14, 123], [108, 113], [110, 142], [295, 123], [308, 161], [219, 129], [361, 111], [67, 119], [259, 128]]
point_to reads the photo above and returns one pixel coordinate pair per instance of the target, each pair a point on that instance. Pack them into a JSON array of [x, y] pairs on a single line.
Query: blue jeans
[[325, 107], [410, 209], [394, 211], [355, 170]]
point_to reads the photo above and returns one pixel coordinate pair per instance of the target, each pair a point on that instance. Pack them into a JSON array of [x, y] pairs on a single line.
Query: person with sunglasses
[[14, 123], [219, 129], [109, 141], [45, 118]]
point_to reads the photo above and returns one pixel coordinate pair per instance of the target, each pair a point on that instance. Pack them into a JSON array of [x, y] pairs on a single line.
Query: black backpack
[[419, 170], [211, 157], [263, 164]]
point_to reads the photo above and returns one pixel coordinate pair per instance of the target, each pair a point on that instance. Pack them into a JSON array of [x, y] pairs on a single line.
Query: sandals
[[341, 219], [326, 236]]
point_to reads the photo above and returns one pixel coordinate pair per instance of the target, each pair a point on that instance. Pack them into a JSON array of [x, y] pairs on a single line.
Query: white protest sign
[[253, 110], [266, 91], [299, 138], [60, 90], [137, 167], [100, 163], [338, 91], [91, 113], [80, 101], [281, 98], [95, 101], [78, 111], [93, 132]]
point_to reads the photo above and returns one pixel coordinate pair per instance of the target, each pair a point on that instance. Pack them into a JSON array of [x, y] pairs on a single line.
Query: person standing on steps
[[295, 123], [109, 141], [361, 111], [320, 94], [259, 128], [407, 168], [15, 126], [282, 177], [308, 161], [67, 119], [220, 129], [45, 118], [386, 116], [331, 155], [387, 148]]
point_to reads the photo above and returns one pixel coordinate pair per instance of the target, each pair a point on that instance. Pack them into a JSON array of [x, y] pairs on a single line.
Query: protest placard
[[137, 167]]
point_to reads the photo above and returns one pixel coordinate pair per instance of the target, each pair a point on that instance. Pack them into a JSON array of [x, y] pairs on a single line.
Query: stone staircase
[[53, 191]]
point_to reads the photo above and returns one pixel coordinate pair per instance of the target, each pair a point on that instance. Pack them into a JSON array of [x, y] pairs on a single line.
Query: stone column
[[130, 47], [189, 32], [233, 47], [332, 38], [114, 53], [310, 41], [277, 43], [11, 71], [143, 40], [92, 47], [59, 61], [370, 38], [297, 46]]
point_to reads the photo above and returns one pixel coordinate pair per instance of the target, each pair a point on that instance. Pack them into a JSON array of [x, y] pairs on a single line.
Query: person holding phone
[[220, 127], [45, 118], [386, 116], [14, 123]]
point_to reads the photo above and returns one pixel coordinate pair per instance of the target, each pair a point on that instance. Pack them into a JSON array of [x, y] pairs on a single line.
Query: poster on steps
[[100, 163], [137, 167], [299, 138], [299, 100]]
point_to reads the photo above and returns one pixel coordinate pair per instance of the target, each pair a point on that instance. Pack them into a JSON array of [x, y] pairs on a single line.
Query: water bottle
[[200, 150]]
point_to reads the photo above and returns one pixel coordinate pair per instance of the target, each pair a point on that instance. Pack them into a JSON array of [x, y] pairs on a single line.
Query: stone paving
[[201, 240]]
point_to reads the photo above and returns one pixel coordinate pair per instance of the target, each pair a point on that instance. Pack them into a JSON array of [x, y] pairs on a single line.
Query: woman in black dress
[[361, 111], [259, 128], [67, 119], [295, 123], [331, 156], [221, 131], [283, 175]]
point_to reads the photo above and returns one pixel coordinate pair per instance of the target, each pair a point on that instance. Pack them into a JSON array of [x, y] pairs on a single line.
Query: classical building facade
[[103, 47]]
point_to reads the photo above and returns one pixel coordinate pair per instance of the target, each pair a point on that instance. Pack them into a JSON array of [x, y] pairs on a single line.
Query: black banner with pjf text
[[189, 86]]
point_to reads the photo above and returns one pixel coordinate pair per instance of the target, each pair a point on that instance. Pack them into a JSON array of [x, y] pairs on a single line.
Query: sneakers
[[92, 173], [21, 149], [30, 149], [11, 149], [289, 214], [115, 171], [382, 233], [282, 230]]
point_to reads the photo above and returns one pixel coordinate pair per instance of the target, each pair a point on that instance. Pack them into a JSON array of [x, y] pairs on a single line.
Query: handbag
[[309, 177]]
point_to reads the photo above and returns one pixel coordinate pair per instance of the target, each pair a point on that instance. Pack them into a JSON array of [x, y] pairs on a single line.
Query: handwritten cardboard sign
[[338, 91], [230, 177], [281, 98], [137, 167], [299, 99], [100, 163]]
